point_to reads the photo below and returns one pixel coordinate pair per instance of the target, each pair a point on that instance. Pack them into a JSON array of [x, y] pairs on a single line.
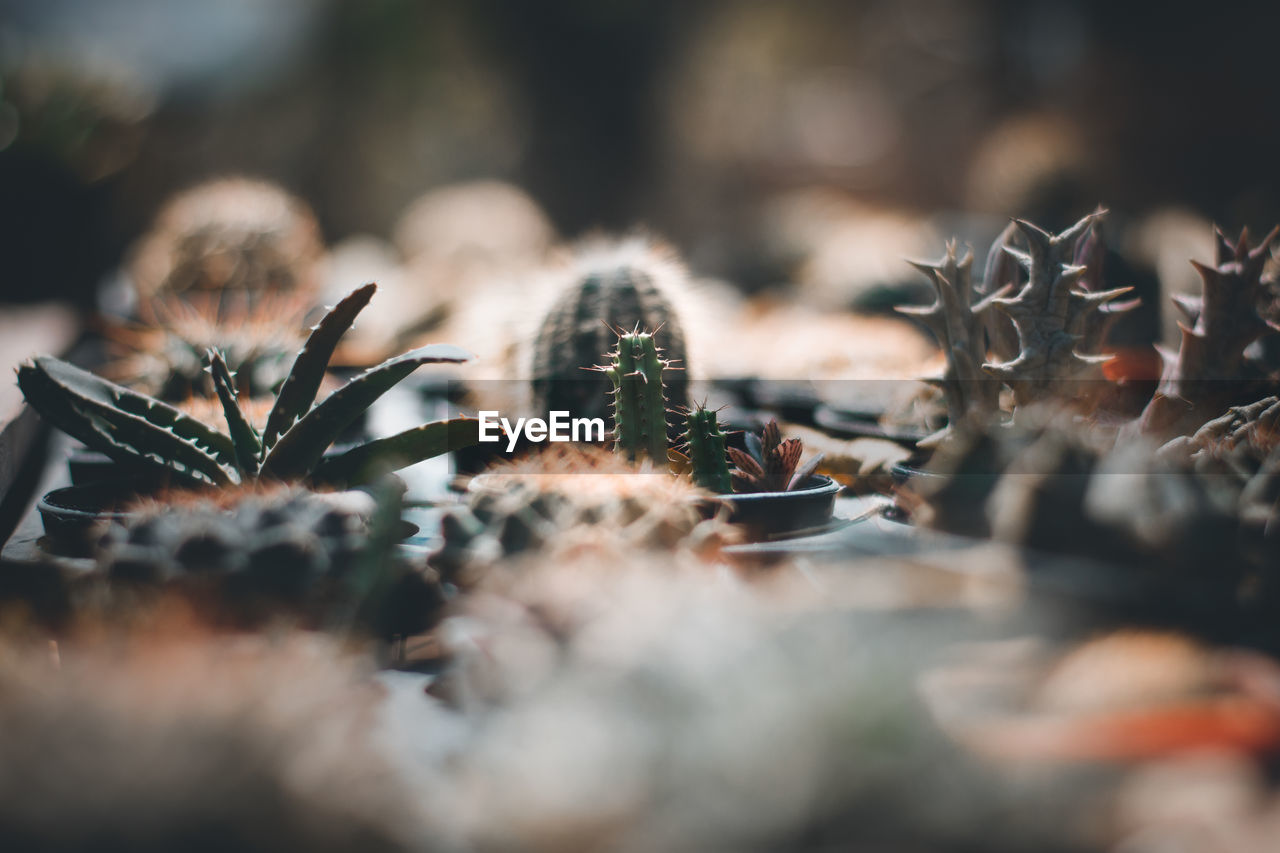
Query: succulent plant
[[620, 286], [567, 499], [636, 371], [249, 553], [165, 354], [770, 464], [958, 325], [1214, 367], [705, 446], [229, 236], [1053, 314], [154, 437]]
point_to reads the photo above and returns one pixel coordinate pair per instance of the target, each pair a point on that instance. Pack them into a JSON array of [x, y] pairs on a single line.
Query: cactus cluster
[[1036, 323], [246, 555], [1215, 366], [622, 286], [568, 499], [152, 436]]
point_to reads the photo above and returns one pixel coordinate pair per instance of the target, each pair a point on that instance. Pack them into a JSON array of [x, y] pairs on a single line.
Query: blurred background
[[746, 133]]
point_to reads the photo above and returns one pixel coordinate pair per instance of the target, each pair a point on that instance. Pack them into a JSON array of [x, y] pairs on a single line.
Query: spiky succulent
[[637, 370], [1214, 368], [1053, 315], [958, 325], [566, 500], [249, 555], [770, 464], [154, 437], [705, 446], [164, 355], [232, 235], [619, 286]]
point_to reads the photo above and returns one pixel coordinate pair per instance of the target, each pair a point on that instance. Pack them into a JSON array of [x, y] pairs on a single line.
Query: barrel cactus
[[154, 437], [617, 286]]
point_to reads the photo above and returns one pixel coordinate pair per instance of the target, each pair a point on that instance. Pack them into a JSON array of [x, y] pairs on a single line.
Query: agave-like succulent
[[769, 463], [153, 436]]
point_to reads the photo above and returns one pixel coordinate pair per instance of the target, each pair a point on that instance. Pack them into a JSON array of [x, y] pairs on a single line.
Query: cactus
[[959, 328], [1052, 312], [771, 464], [639, 400], [229, 236], [620, 286], [567, 499], [150, 435], [165, 355], [1213, 368], [709, 465], [249, 553]]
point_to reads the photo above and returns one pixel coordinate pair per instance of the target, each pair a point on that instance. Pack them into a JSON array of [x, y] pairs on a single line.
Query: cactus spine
[[707, 455], [639, 402]]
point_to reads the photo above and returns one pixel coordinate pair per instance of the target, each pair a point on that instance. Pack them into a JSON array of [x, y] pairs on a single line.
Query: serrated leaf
[[300, 449], [371, 460], [303, 382], [245, 438]]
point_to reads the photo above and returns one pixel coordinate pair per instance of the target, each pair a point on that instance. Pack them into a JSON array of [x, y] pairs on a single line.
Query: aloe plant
[[150, 435]]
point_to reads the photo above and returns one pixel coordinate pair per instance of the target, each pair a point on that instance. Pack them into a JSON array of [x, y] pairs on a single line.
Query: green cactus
[[639, 401], [616, 285], [250, 555], [152, 436], [709, 464]]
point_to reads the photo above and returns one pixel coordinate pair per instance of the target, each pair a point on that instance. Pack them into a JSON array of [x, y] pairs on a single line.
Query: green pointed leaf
[[369, 461], [248, 445], [299, 450], [129, 427], [299, 389]]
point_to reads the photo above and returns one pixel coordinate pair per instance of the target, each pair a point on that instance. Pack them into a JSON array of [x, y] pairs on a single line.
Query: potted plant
[[155, 440]]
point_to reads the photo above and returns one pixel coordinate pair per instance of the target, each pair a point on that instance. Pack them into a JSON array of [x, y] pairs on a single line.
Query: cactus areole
[[154, 437]]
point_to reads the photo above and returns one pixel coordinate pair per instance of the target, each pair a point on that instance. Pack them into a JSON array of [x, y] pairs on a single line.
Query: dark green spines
[[639, 405], [578, 328], [705, 444]]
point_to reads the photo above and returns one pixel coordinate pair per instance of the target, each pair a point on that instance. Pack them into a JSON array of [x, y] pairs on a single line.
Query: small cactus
[[155, 438], [1213, 368], [1053, 313], [639, 400], [617, 286], [250, 554], [705, 443], [958, 325]]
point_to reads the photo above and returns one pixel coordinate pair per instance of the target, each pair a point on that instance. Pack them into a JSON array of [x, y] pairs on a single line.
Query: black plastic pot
[[75, 516], [768, 515]]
